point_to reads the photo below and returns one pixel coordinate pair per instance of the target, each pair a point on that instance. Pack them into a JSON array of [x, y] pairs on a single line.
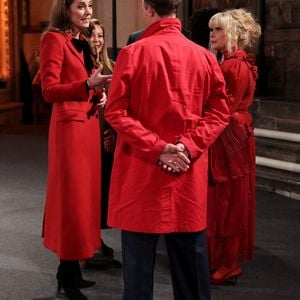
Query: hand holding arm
[[174, 158]]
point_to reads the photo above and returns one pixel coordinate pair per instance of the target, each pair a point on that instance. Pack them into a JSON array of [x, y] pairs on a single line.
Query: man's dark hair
[[164, 7]]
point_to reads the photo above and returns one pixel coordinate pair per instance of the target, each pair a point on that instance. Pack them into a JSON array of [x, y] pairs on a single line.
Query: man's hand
[[174, 158]]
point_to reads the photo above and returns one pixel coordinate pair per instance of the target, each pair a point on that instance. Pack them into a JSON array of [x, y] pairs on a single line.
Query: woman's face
[[97, 38], [217, 38], [80, 12]]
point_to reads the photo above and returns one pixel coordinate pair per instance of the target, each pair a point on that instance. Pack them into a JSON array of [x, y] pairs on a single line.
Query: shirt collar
[[163, 25]]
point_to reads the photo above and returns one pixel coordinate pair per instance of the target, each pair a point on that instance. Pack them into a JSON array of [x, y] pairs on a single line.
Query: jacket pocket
[[71, 115]]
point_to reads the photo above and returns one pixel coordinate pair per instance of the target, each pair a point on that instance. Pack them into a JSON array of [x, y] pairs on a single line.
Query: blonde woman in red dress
[[231, 194]]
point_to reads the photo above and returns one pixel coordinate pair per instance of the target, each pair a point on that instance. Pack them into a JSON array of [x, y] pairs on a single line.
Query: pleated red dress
[[231, 192]]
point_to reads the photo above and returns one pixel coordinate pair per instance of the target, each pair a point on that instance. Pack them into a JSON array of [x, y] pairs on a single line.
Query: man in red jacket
[[167, 102]]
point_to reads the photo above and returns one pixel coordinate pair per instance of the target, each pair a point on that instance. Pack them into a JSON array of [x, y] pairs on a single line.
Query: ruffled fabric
[[241, 54], [251, 63], [232, 155]]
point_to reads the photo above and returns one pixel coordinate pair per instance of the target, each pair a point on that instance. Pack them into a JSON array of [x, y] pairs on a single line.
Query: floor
[[27, 269]]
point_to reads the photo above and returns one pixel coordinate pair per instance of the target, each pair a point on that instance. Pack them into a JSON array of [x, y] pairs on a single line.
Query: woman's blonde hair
[[240, 28], [102, 57], [59, 19]]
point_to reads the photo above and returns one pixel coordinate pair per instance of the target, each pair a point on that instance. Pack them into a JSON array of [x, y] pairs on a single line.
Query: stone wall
[[223, 4], [129, 19], [282, 48]]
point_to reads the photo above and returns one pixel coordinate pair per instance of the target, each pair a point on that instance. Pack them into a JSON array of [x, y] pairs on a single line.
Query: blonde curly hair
[[240, 28]]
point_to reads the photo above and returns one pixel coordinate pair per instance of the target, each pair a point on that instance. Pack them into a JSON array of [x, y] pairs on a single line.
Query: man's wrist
[[184, 149]]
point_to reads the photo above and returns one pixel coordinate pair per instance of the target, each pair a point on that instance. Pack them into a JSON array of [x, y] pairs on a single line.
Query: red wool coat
[[72, 210], [164, 89]]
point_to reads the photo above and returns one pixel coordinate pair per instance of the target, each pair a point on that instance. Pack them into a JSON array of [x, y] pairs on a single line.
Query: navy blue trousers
[[188, 263]]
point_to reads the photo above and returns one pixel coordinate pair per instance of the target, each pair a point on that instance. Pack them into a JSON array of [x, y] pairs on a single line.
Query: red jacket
[[164, 89], [72, 211]]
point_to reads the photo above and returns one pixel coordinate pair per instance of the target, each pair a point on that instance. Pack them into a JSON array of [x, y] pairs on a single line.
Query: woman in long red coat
[[72, 210], [231, 193]]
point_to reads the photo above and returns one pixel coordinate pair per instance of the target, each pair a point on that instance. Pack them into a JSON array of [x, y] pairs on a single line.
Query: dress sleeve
[[236, 74], [118, 114], [51, 63]]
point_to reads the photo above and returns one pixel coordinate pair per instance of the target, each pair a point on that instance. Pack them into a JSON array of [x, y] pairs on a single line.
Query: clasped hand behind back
[[174, 158]]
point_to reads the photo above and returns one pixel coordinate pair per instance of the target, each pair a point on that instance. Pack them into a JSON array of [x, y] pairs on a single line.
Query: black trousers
[[188, 264]]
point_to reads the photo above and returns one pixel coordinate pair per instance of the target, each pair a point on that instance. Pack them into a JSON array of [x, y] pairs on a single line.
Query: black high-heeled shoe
[[80, 282], [84, 284], [67, 281], [103, 257], [71, 292], [106, 250]]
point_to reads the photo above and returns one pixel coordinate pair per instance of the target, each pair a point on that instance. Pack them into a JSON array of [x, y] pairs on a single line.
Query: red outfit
[[231, 193], [178, 96], [72, 212]]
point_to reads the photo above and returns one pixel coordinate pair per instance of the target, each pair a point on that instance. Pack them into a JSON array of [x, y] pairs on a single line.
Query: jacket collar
[[163, 25]]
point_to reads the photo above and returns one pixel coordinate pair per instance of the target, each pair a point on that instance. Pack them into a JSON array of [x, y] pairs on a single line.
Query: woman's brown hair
[[102, 57], [59, 20]]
